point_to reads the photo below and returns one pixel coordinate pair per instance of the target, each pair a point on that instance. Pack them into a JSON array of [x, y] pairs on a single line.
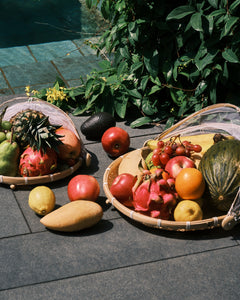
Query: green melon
[[220, 167]]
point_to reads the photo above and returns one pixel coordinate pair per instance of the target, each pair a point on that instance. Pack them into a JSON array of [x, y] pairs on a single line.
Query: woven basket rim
[[18, 180]]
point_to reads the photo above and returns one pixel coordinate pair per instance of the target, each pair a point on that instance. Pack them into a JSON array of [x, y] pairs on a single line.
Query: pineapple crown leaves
[[42, 135]]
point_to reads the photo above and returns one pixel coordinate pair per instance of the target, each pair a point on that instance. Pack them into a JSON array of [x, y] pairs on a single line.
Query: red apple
[[177, 163]]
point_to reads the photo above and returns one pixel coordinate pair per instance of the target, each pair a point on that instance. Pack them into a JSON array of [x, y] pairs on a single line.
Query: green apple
[[8, 136], [2, 136], [6, 125]]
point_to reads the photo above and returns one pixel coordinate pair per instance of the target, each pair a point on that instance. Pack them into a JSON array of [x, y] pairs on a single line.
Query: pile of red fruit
[[153, 192], [166, 150]]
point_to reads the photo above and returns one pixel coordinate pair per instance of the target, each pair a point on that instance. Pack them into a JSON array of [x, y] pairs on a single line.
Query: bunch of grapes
[[173, 147]]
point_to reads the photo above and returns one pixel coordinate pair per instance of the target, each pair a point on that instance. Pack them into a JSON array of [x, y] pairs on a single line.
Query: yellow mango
[[73, 216]]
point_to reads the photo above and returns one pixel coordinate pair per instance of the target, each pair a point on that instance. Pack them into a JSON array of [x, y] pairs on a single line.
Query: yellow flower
[[27, 90], [55, 95]]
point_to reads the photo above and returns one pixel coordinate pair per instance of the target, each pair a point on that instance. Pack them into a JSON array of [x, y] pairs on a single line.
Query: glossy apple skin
[[83, 187], [177, 163], [115, 141]]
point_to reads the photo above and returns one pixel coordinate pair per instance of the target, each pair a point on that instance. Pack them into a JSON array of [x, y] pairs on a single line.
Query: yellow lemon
[[41, 200], [188, 210]]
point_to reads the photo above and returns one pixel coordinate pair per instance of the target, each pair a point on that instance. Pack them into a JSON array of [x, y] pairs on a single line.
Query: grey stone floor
[[116, 259]]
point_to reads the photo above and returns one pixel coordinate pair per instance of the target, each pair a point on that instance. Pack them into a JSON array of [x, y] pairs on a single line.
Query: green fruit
[[6, 125], [9, 134], [9, 154], [220, 169], [2, 136]]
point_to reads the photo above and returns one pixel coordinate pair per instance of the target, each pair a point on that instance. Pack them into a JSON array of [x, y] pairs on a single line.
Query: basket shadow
[[204, 234]]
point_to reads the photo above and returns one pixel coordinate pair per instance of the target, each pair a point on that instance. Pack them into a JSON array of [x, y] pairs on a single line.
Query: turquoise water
[[30, 22]]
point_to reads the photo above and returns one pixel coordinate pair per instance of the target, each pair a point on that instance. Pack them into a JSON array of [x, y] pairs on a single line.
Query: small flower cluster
[[54, 94]]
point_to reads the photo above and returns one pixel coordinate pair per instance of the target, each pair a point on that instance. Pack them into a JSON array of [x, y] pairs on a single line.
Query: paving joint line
[[113, 269], [5, 78]]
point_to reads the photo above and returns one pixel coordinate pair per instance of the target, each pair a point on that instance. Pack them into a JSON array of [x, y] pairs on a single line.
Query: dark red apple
[[177, 163]]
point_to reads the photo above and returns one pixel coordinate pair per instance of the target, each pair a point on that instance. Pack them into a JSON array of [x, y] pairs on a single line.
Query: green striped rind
[[220, 167]]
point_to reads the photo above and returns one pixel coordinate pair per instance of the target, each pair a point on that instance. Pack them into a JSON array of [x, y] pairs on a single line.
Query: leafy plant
[[164, 60]]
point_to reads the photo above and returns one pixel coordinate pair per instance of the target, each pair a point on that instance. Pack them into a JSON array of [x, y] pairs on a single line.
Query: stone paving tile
[[208, 275], [30, 74], [12, 221], [75, 67], [3, 83], [48, 256], [15, 56], [54, 50], [21, 90]]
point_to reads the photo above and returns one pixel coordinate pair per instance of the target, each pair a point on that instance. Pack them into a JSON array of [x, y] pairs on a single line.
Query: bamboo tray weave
[[211, 221], [56, 116]]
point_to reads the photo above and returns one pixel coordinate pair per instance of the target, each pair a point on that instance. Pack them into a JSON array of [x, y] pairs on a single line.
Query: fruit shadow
[[101, 227]]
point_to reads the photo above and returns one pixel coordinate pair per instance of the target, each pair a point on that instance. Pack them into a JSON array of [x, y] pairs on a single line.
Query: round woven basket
[[188, 125], [56, 116]]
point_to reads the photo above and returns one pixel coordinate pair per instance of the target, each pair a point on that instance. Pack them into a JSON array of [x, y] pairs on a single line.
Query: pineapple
[[32, 128], [38, 140]]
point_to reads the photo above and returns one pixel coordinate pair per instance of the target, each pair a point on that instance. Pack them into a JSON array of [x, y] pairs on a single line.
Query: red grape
[[164, 158], [156, 160], [168, 150], [160, 144], [197, 148], [180, 150]]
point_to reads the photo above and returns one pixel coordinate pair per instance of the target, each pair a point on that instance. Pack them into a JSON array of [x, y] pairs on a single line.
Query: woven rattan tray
[[189, 125], [56, 116]]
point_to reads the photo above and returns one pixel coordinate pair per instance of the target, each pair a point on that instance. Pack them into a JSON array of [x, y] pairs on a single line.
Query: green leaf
[[124, 52], [196, 21], [206, 60], [230, 56], [122, 68], [105, 9], [228, 26], [136, 66], [140, 122], [133, 30], [180, 12], [233, 6], [218, 13], [121, 106], [154, 89], [151, 60], [89, 86], [169, 123], [148, 107], [134, 92], [144, 82], [200, 88], [213, 3], [225, 71]]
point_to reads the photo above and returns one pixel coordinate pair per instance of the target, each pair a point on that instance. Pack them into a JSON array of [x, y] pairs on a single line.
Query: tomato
[[83, 187], [121, 188], [115, 141]]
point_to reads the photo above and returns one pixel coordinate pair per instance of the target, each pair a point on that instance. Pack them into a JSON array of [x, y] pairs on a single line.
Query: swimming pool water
[[42, 21]]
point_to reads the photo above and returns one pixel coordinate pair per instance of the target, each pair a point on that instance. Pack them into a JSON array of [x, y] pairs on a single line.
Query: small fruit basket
[[49, 114], [217, 120]]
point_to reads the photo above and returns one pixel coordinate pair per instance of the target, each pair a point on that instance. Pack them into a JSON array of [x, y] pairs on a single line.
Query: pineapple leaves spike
[[34, 129]]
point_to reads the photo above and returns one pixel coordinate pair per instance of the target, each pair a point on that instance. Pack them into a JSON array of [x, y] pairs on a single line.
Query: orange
[[190, 184]]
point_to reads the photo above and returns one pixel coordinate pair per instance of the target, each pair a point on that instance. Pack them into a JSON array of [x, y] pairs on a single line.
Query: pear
[[9, 154]]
